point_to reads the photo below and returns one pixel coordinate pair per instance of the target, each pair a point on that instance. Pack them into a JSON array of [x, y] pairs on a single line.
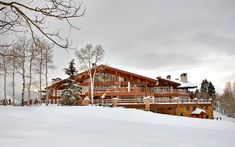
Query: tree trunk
[[30, 80], [23, 86], [5, 80], [13, 81], [46, 72], [40, 75]]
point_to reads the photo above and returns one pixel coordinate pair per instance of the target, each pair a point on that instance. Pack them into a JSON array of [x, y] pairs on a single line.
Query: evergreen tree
[[211, 90], [72, 90], [204, 88], [212, 95], [207, 89]]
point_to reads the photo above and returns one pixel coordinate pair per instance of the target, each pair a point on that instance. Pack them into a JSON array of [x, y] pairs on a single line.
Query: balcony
[[139, 91], [173, 93], [123, 91]]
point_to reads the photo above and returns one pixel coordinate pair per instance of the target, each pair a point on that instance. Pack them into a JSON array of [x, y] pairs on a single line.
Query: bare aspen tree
[[44, 62], [32, 53], [34, 17], [20, 49], [39, 62], [13, 66], [13, 75], [88, 58], [48, 53], [5, 70], [227, 100], [8, 64]]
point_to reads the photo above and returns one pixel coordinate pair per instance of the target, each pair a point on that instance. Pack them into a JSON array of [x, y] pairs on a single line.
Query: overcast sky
[[159, 37]]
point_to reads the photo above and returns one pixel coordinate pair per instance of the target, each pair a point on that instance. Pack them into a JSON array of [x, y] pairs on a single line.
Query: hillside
[[55, 126]]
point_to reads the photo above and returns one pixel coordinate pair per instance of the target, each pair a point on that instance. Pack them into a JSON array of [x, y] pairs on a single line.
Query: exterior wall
[[85, 89], [186, 111], [172, 109], [209, 112], [182, 110]]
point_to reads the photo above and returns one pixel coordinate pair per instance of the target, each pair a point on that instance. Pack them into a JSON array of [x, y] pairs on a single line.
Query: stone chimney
[[168, 77], [184, 78]]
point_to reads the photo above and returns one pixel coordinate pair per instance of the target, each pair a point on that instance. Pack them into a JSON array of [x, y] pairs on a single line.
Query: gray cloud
[[216, 42], [154, 60]]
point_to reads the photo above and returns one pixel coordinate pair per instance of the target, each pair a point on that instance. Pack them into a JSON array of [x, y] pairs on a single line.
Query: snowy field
[[57, 126]]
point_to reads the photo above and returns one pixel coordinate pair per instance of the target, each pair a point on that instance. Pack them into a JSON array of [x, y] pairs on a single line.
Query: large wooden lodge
[[131, 90]]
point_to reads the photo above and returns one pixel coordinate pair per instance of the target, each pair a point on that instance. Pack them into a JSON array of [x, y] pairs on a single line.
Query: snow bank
[[62, 126]]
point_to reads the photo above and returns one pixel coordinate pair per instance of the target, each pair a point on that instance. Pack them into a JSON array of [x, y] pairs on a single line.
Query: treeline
[[226, 102], [28, 59], [207, 91], [223, 103]]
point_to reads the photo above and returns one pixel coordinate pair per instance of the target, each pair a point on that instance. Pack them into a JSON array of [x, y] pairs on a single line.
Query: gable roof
[[198, 111], [168, 81], [107, 69], [124, 73]]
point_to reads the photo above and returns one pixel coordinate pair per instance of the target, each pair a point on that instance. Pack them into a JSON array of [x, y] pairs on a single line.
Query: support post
[[115, 102], [147, 103]]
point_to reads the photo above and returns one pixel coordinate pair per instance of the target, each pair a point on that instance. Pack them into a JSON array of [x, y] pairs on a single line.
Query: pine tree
[[204, 89], [211, 90], [212, 95], [207, 89], [72, 90]]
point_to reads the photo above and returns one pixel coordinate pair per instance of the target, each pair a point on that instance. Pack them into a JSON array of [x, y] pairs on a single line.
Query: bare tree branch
[[17, 17]]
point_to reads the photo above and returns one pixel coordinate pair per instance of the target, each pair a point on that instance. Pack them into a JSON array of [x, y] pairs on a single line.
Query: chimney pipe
[[168, 77], [184, 78]]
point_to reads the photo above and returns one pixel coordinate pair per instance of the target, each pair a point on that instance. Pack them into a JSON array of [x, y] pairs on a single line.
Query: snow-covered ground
[[58, 126]]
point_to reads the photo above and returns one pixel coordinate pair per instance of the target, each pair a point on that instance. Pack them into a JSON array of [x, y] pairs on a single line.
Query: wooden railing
[[179, 100], [140, 89], [130, 100], [168, 91], [158, 101], [123, 91]]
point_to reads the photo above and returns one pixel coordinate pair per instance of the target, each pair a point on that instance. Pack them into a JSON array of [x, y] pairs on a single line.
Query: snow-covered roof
[[198, 111], [185, 85], [181, 84]]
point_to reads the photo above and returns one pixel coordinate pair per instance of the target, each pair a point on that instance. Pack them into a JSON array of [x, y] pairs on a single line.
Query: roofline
[[159, 78], [137, 75], [102, 65]]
